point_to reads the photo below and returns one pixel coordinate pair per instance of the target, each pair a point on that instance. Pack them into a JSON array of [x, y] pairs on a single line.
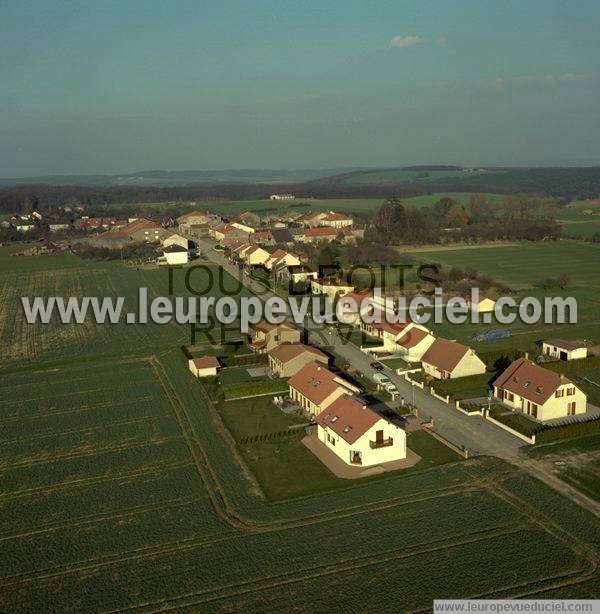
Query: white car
[[391, 388], [380, 378]]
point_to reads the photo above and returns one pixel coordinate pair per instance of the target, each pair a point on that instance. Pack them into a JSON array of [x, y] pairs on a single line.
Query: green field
[[522, 267], [121, 487], [398, 175]]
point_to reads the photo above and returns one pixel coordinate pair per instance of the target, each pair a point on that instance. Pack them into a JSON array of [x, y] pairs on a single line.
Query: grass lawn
[[237, 375], [399, 363], [431, 451], [358, 338], [257, 416], [465, 387]]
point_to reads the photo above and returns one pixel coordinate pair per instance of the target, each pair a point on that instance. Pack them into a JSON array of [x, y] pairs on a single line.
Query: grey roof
[[172, 249], [281, 235]]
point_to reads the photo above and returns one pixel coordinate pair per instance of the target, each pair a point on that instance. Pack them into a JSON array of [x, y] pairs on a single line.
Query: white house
[[563, 349], [175, 254], [538, 392], [175, 239], [333, 288], [448, 360], [280, 257], [358, 435]]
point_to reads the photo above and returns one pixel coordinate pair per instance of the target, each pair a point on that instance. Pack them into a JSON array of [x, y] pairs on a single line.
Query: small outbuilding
[[204, 366], [563, 349]]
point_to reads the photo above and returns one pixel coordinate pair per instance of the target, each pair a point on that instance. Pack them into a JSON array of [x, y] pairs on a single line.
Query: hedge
[[575, 429], [254, 389]]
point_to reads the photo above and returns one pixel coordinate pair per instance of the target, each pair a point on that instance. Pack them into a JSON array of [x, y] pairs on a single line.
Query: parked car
[[377, 366], [391, 388], [380, 378]]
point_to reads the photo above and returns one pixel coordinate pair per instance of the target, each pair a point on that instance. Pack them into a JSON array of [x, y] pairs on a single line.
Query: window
[[572, 408], [570, 391], [559, 393]]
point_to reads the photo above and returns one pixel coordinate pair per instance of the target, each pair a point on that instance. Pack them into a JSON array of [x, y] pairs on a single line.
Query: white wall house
[[358, 435], [175, 254], [448, 360], [540, 393], [563, 349]]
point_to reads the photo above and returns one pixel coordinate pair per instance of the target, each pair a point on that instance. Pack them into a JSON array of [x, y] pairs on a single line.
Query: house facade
[[540, 393], [333, 288], [287, 359], [264, 336], [315, 388], [358, 435], [448, 360]]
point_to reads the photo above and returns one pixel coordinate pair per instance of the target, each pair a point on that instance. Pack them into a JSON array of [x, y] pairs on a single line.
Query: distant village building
[[282, 197], [485, 304]]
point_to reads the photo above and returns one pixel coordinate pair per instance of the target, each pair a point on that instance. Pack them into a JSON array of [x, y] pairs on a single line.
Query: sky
[[115, 87]]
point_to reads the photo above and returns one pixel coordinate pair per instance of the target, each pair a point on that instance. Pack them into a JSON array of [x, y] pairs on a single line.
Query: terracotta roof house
[[204, 366], [311, 219], [358, 435], [564, 349], [447, 360], [282, 257], [318, 234], [408, 339], [314, 387], [335, 220], [287, 359], [538, 392], [414, 343], [265, 336]]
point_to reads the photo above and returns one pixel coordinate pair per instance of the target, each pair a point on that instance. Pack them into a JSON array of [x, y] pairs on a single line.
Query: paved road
[[471, 432]]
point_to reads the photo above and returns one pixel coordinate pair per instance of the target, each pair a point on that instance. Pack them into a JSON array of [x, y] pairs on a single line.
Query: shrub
[[253, 389], [575, 429]]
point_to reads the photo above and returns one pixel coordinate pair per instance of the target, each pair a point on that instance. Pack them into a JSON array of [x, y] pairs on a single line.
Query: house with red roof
[[317, 235], [540, 393], [315, 387], [408, 339], [287, 359], [358, 435], [281, 257], [264, 336], [448, 360], [204, 366]]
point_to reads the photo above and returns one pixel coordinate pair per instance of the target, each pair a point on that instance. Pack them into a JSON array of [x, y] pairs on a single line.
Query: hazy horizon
[[113, 88]]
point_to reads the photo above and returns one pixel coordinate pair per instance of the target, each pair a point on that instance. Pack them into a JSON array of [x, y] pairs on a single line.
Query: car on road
[[391, 388], [380, 378], [377, 366]]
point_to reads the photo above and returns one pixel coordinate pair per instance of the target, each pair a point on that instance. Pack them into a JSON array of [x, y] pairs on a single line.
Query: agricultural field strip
[[107, 449], [78, 410], [337, 568], [535, 518], [41, 490], [84, 521], [193, 543], [81, 431]]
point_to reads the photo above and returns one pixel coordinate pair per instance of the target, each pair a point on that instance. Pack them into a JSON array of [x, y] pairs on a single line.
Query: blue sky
[[109, 87]]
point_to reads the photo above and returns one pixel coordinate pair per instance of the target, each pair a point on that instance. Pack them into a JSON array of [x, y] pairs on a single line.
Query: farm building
[[315, 388], [282, 197], [205, 366], [447, 360], [194, 218], [538, 392], [358, 435], [317, 235], [264, 336], [563, 349], [175, 254], [287, 359], [335, 220]]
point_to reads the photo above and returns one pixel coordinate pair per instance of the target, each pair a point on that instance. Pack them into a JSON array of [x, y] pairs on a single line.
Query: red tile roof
[[529, 381], [315, 382], [444, 354], [321, 231], [413, 337], [288, 351], [348, 418], [206, 362]]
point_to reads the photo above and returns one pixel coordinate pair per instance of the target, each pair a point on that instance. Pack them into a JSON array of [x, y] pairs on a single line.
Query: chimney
[[526, 355]]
